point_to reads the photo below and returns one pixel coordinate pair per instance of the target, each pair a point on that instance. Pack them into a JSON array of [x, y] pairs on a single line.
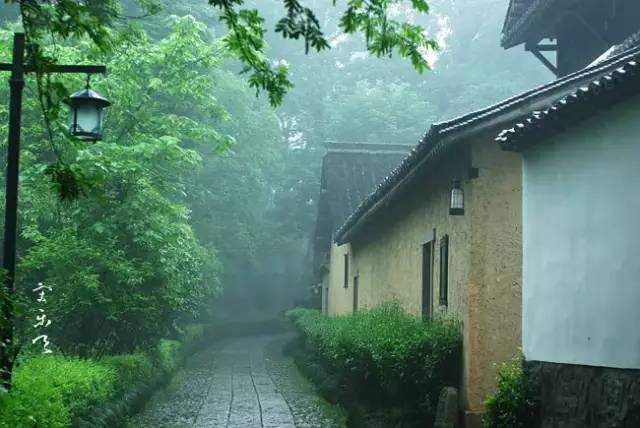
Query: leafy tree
[[246, 37], [377, 112], [123, 261], [234, 190]]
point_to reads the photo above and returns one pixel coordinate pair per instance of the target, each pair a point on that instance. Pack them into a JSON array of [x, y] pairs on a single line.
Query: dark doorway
[[356, 283], [427, 262]]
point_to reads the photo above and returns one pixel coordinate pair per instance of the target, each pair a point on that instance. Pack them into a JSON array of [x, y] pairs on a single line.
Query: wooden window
[[444, 270], [346, 270]]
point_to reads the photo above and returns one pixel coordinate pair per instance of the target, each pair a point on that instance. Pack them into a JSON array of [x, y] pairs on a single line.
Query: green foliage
[[383, 35], [53, 390], [156, 208], [192, 333], [384, 355], [300, 22], [123, 260], [377, 112], [515, 403], [130, 368], [67, 19], [237, 192], [167, 354], [50, 389]]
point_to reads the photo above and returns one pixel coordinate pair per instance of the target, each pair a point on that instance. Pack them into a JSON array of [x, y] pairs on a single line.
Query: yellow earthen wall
[[496, 254], [389, 257], [340, 300], [484, 258]]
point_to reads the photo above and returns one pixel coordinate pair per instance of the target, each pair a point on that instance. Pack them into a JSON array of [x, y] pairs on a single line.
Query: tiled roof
[[442, 135], [349, 172], [521, 16], [516, 9], [629, 43], [617, 85]]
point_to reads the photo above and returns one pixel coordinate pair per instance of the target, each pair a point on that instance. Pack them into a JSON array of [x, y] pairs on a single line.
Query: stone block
[[447, 414], [472, 419]]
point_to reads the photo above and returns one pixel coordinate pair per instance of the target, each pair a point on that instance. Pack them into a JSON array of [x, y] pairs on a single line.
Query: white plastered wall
[[581, 233]]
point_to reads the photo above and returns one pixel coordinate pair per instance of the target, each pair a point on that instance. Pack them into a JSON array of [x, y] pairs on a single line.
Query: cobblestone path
[[240, 383]]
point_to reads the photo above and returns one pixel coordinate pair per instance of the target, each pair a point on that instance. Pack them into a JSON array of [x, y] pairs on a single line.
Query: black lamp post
[[82, 108]]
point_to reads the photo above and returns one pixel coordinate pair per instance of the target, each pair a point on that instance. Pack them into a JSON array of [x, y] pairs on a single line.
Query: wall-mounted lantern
[[456, 198], [85, 114]]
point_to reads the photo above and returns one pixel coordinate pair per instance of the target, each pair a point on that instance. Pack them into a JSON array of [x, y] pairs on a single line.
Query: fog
[[215, 200]]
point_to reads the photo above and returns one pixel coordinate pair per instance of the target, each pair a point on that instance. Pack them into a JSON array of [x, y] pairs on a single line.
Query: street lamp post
[[16, 84]]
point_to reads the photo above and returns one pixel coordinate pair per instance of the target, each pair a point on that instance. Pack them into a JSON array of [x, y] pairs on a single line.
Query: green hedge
[[56, 391], [384, 356], [515, 403], [49, 390], [130, 368]]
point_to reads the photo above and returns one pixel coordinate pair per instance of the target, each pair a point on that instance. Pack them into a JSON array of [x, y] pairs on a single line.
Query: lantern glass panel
[[457, 199], [86, 120]]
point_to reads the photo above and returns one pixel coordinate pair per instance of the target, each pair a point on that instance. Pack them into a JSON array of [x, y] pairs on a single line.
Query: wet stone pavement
[[240, 383]]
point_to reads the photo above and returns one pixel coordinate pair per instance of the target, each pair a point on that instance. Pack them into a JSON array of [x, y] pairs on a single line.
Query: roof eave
[[437, 146], [517, 34], [618, 85], [515, 109], [508, 41]]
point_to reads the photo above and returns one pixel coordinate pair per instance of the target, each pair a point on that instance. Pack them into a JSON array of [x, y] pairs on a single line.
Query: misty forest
[[310, 214]]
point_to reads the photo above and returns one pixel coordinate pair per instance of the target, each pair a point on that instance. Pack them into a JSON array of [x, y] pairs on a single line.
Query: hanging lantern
[[456, 201], [85, 114]]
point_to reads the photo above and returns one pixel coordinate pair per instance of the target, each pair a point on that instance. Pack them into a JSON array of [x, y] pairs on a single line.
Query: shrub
[[515, 403], [53, 391], [191, 334], [50, 389], [130, 368], [167, 354], [385, 356], [295, 314]]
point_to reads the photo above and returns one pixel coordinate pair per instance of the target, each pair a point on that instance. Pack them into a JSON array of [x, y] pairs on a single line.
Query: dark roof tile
[[521, 16], [617, 85]]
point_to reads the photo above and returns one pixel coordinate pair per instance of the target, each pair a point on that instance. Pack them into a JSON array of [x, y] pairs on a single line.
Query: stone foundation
[[575, 396], [472, 419]]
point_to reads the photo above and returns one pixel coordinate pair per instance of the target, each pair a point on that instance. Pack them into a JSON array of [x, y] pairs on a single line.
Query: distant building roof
[[445, 134], [350, 171], [621, 82]]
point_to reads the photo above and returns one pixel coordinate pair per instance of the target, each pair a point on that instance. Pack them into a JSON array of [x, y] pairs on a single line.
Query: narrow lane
[[240, 383]]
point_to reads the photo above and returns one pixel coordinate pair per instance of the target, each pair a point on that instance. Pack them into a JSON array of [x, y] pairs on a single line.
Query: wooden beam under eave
[[536, 49]]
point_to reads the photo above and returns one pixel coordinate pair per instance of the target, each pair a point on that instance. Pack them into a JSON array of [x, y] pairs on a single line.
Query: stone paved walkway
[[240, 383]]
